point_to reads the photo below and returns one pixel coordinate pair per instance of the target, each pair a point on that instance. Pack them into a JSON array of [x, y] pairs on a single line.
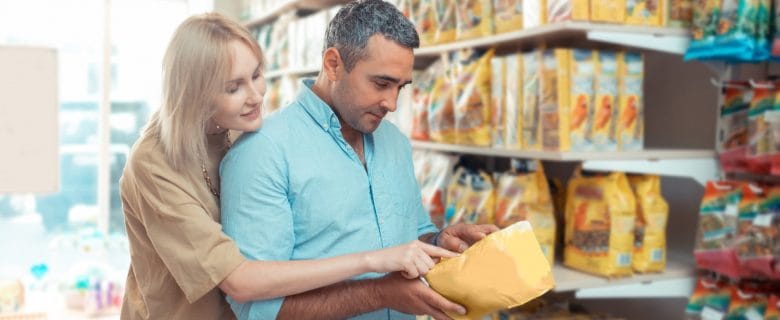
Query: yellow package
[[565, 10], [513, 119], [497, 95], [441, 112], [644, 12], [504, 270], [581, 71], [422, 89], [508, 15], [445, 21], [554, 100], [605, 110], [526, 197], [608, 11], [474, 19], [600, 214], [472, 105], [530, 104], [650, 227], [460, 182], [631, 118], [534, 13], [479, 201], [425, 20]]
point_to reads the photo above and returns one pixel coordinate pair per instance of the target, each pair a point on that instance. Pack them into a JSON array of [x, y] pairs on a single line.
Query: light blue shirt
[[297, 190]]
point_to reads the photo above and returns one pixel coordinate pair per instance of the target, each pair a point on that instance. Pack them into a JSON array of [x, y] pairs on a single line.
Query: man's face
[[365, 95]]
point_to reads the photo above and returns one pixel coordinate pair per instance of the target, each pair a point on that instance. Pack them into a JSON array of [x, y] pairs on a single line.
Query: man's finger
[[441, 303]]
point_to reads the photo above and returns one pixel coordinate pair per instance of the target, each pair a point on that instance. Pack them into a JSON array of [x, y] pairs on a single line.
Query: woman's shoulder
[[146, 157]]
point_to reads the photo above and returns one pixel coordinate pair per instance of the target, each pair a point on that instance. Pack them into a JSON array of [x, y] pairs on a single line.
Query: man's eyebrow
[[390, 79]]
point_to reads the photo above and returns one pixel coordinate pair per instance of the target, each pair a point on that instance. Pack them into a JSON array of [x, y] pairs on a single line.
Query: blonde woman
[[180, 258]]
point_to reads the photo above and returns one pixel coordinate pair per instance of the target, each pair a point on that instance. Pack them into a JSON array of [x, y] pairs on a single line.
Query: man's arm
[[351, 298]]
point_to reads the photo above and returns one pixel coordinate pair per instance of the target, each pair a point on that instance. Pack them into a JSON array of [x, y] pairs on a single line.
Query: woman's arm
[[261, 280]]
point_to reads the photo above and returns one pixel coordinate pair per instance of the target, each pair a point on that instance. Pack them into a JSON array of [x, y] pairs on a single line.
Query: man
[[327, 176]]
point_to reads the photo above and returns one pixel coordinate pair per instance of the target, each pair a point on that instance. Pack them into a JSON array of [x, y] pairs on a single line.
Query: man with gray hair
[[328, 176]]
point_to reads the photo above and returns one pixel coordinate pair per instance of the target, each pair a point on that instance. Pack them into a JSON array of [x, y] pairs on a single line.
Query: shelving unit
[[292, 72], [671, 40], [680, 267]]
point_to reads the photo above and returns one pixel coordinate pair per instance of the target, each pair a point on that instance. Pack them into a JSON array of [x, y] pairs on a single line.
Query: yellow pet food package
[[530, 106], [479, 202], [445, 21], [424, 12], [508, 15], [472, 104], [497, 95], [605, 110], [650, 228], [506, 269], [608, 11], [554, 100], [474, 19], [631, 119], [441, 112], [534, 13], [644, 12], [566, 10], [582, 70], [600, 214], [432, 171], [513, 101], [422, 89], [677, 13], [459, 185], [525, 196]]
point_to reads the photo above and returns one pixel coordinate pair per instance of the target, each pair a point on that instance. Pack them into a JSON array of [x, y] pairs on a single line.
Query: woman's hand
[[412, 259]]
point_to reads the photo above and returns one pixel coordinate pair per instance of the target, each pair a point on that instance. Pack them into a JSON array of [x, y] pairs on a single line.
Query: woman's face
[[240, 101]]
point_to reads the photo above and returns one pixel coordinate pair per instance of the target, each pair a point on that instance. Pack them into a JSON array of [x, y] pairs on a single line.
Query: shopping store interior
[[637, 137]]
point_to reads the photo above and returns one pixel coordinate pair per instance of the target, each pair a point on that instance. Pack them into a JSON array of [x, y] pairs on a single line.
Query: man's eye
[[255, 76], [381, 85]]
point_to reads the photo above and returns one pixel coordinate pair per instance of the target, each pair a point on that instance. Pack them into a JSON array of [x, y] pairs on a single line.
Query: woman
[[212, 83]]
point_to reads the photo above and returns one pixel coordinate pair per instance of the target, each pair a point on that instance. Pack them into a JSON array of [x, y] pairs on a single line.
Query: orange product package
[[472, 103], [582, 72], [432, 171], [605, 109], [631, 117], [554, 89], [758, 160], [441, 110], [600, 217], [525, 196], [422, 89], [530, 100], [714, 248]]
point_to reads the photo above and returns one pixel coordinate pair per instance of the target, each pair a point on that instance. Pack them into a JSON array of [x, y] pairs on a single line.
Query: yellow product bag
[[474, 19], [456, 191], [600, 214], [479, 202], [508, 15], [530, 100], [650, 228], [425, 20], [554, 100], [441, 111], [526, 196], [445, 21], [422, 89], [472, 104], [497, 91], [605, 109], [504, 270]]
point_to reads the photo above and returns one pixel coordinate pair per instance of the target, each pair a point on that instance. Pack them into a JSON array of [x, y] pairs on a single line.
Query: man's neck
[[352, 136]]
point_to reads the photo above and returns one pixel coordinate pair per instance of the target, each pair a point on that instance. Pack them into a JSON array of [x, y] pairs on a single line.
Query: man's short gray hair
[[357, 21]]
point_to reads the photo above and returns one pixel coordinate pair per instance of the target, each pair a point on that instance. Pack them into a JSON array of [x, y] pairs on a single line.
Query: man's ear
[[332, 64]]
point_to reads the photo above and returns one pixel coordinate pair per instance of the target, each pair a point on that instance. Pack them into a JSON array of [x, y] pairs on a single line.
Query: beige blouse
[[179, 254]]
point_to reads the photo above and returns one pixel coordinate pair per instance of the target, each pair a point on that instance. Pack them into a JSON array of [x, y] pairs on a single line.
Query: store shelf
[[673, 40], [292, 6], [296, 72], [680, 271], [652, 154]]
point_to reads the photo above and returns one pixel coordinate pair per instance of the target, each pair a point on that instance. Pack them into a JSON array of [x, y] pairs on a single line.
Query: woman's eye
[[232, 89]]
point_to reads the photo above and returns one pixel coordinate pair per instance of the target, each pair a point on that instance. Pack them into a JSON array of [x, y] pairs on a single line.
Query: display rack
[[297, 6]]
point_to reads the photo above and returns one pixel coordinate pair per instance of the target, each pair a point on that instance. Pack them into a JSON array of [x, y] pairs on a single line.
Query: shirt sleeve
[[256, 211], [187, 239]]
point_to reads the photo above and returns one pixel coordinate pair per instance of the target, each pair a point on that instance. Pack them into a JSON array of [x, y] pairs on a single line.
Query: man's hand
[[412, 296], [460, 236]]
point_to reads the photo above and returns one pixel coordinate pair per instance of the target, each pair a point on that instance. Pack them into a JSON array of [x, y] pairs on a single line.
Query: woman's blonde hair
[[195, 67]]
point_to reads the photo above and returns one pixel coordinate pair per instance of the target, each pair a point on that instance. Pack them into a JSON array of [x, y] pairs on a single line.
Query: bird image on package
[[504, 270]]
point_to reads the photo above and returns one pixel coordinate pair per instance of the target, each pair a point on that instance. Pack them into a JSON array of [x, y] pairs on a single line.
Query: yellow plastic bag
[[650, 228], [504, 270]]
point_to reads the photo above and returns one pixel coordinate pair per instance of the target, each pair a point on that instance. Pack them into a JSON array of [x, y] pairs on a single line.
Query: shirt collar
[[319, 111]]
